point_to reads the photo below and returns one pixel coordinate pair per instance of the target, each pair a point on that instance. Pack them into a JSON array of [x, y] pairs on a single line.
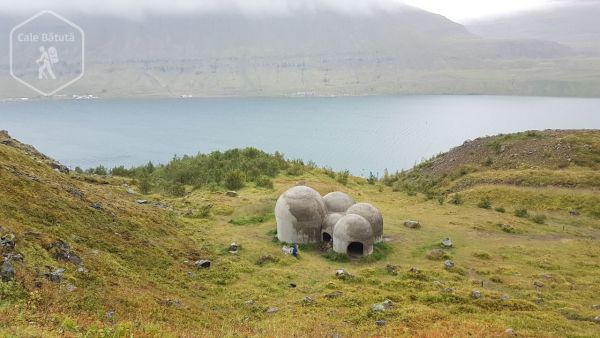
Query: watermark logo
[[47, 53]]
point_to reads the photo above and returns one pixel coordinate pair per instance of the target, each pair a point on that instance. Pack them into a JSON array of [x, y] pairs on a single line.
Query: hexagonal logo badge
[[47, 53]]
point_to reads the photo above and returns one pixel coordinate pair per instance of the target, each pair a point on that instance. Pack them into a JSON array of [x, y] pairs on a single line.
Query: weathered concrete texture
[[352, 228], [337, 201], [330, 221], [299, 213], [372, 215]]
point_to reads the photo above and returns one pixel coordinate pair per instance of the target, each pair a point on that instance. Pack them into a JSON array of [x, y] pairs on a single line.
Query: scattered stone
[[81, 269], [170, 302], [447, 243], [507, 228], [380, 322], [7, 242], [378, 307], [392, 269], [388, 303], [231, 193], [141, 201], [292, 285], [504, 298], [233, 248], [547, 276], [56, 276], [340, 273], [7, 273], [97, 206], [13, 257], [574, 213], [475, 294], [448, 290], [272, 310], [436, 254], [131, 191], [202, 264], [448, 264], [70, 287], [62, 251], [597, 319], [414, 270], [334, 294], [308, 300], [76, 193], [538, 284], [249, 302], [412, 224], [596, 306], [509, 332]]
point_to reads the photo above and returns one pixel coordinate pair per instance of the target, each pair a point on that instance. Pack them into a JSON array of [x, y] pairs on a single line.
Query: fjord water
[[361, 134]]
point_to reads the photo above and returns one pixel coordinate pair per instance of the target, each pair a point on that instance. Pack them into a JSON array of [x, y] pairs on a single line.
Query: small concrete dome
[[371, 214], [337, 201], [353, 235], [299, 213], [329, 225]]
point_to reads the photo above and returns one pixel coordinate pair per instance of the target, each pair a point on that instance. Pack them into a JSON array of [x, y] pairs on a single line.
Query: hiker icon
[[45, 62]]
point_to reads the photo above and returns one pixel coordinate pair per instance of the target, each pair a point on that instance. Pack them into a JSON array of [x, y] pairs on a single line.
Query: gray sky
[[458, 10]]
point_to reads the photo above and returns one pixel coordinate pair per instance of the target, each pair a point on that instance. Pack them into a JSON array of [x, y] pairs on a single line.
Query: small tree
[[342, 177], [235, 179], [372, 178], [145, 185]]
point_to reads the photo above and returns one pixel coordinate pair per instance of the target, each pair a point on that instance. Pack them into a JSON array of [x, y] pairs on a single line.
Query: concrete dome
[[329, 224], [299, 213], [353, 235], [337, 201], [371, 214]]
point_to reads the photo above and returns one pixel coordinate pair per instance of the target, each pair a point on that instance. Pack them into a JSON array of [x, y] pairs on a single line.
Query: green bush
[[539, 219], [177, 190], [234, 179], [372, 179], [456, 199], [485, 203], [521, 213], [342, 177], [144, 185], [500, 209], [264, 182]]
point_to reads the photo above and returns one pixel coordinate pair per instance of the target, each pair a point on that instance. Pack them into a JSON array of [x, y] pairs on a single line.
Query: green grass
[[140, 258]]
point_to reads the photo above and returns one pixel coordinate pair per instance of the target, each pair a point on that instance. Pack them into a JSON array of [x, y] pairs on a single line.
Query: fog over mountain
[[312, 51], [576, 26]]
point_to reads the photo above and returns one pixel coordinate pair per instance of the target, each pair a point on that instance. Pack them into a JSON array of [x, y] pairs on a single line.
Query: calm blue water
[[361, 134]]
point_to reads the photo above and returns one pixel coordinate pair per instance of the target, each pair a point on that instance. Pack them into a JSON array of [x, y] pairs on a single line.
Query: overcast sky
[[458, 10]]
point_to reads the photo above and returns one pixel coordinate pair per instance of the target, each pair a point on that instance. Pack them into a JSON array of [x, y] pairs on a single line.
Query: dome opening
[[355, 249], [327, 237]]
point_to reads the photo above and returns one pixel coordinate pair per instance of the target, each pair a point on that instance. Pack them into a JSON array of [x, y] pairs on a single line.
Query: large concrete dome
[[337, 201], [329, 225], [353, 235], [372, 215], [299, 213]]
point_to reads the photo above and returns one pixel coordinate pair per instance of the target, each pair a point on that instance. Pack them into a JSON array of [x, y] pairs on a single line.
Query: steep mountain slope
[[129, 267], [313, 53], [575, 25]]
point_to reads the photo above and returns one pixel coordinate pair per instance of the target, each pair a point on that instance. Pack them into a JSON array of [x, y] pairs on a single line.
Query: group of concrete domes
[[304, 216]]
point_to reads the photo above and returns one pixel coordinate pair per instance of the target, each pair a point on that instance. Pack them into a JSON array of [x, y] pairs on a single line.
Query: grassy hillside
[[129, 268]]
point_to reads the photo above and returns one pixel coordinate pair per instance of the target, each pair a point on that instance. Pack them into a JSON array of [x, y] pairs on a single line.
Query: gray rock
[[231, 193], [334, 294], [70, 287], [412, 224], [597, 319], [233, 248], [392, 269], [249, 302], [448, 264], [141, 201], [504, 298], [272, 310], [62, 251], [131, 191], [475, 294], [510, 332], [596, 306], [378, 307], [308, 300], [380, 322], [97, 206], [538, 284], [388, 303], [447, 243], [203, 263], [7, 242], [341, 273], [56, 276], [7, 273]]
